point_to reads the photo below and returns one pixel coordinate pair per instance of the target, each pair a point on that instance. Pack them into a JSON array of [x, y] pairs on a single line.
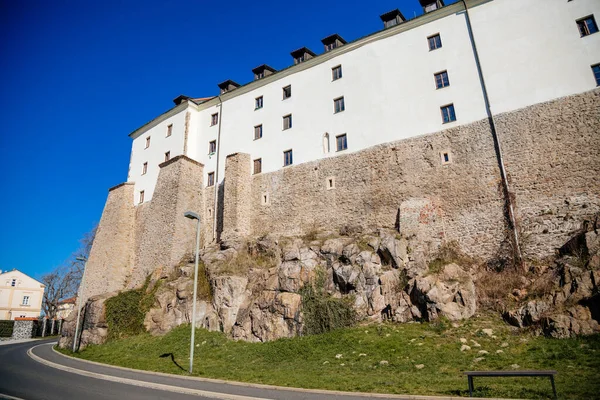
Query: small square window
[[258, 132], [141, 199], [169, 130], [336, 73], [287, 92], [257, 166], [287, 158], [212, 147], [144, 168], [214, 119], [167, 156], [258, 103], [435, 41], [441, 79], [596, 71], [587, 26], [341, 142], [448, 114], [445, 157], [338, 105], [147, 142], [211, 179], [287, 122]]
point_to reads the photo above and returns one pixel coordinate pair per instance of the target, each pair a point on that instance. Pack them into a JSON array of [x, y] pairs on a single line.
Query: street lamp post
[[80, 291], [191, 215]]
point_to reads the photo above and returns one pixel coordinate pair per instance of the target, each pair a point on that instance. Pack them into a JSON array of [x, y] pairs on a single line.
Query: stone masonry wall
[[164, 235], [237, 215], [368, 188], [552, 157], [111, 256]]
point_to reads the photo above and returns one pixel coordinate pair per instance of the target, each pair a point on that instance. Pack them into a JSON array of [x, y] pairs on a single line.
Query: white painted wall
[[11, 297], [530, 52]]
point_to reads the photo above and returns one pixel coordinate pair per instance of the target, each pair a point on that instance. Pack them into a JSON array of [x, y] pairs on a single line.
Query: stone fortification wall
[[457, 200], [552, 157], [111, 257], [163, 234], [237, 217]]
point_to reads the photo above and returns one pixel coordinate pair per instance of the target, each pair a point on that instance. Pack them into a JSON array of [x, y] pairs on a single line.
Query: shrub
[[323, 312], [6, 328]]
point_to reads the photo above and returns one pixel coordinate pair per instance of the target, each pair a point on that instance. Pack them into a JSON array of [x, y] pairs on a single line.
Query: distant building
[[20, 295], [65, 307]]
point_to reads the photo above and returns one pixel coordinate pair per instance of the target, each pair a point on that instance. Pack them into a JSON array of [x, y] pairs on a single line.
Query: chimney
[[332, 42], [261, 71], [392, 18], [180, 99], [431, 5], [302, 55], [228, 85]]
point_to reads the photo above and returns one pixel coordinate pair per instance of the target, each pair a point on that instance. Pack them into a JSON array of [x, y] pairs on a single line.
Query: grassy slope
[[311, 362]]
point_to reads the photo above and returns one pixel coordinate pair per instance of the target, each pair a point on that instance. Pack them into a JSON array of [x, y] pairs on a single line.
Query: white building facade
[[413, 78], [20, 296]]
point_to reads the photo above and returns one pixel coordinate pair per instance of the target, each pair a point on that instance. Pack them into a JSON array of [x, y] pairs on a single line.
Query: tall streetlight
[[80, 291], [192, 215]]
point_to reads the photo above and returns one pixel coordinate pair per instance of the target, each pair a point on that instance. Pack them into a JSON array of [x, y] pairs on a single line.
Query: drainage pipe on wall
[[506, 189], [220, 105]]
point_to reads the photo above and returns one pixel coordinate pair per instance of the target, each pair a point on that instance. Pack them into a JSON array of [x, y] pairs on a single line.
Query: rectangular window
[[287, 122], [257, 166], [147, 142], [441, 79], [167, 156], [287, 158], [342, 142], [336, 73], [212, 147], [338, 105], [596, 71], [258, 103], [141, 197], [144, 168], [25, 300], [214, 119], [448, 114], [211, 179], [169, 130], [587, 26], [435, 41], [258, 132], [287, 92]]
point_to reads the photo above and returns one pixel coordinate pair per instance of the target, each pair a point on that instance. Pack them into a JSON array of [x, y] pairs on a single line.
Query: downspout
[[506, 189], [220, 105]]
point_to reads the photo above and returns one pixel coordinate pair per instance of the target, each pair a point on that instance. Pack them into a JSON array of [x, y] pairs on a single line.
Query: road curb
[[273, 387]]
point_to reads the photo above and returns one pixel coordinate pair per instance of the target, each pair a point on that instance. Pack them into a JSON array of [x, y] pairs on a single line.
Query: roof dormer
[[228, 86], [262, 71], [392, 18], [302, 55], [180, 99], [332, 42], [431, 5]]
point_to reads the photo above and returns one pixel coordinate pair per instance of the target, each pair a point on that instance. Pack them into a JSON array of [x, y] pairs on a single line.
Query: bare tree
[[64, 281]]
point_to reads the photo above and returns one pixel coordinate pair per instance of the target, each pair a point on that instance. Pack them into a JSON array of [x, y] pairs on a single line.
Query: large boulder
[[229, 293]]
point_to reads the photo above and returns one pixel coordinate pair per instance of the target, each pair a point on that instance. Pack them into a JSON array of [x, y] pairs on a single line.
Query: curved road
[[33, 371]]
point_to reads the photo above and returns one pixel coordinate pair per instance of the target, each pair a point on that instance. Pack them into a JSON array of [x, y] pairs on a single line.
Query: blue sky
[[76, 77]]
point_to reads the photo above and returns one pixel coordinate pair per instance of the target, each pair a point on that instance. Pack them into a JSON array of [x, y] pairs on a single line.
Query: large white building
[[20, 295], [412, 78]]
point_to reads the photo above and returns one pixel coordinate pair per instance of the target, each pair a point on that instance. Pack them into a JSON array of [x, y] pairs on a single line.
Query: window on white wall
[[212, 147], [211, 179], [169, 130], [341, 142], [258, 166], [287, 92], [441, 79], [338, 105], [144, 168], [147, 142], [141, 198], [167, 156], [25, 300], [258, 132], [587, 25], [287, 122], [258, 103], [336, 73], [435, 41], [214, 119], [596, 71], [287, 158], [448, 114]]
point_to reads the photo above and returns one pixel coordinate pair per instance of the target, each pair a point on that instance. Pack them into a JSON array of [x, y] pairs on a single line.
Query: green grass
[[311, 362]]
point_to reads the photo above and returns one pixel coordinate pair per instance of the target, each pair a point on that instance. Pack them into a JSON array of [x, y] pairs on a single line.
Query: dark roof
[[227, 83], [426, 2], [179, 99], [300, 51], [332, 38], [390, 15], [262, 68]]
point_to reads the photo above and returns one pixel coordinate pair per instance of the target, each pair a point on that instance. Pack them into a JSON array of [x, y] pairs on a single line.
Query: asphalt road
[[24, 377]]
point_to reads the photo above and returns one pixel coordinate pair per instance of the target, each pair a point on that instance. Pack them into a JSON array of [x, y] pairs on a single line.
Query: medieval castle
[[476, 122]]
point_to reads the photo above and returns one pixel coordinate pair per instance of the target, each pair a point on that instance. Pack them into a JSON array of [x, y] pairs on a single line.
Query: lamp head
[[191, 215]]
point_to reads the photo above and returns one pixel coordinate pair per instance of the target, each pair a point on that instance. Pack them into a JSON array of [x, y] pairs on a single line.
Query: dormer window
[[228, 86], [262, 71], [431, 5], [392, 18], [302, 55], [332, 42]]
